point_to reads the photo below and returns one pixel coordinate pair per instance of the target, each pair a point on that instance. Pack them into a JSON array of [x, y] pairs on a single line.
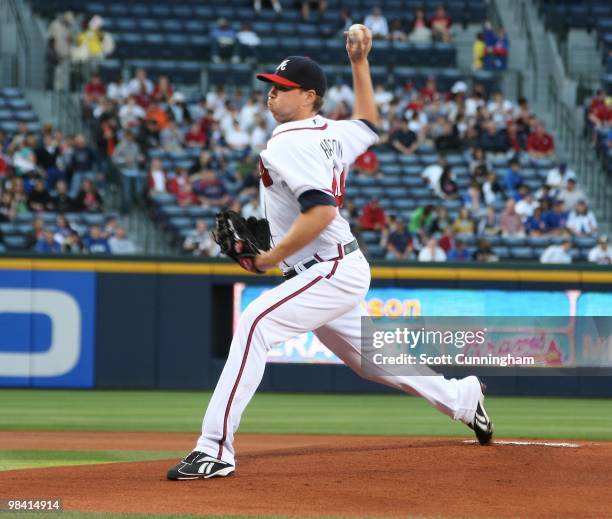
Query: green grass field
[[50, 410]]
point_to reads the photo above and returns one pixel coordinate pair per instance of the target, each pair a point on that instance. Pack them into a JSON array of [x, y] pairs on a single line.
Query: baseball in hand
[[357, 32], [358, 42]]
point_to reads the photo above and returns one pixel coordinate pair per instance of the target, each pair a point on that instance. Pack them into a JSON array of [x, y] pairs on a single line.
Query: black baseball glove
[[242, 239]]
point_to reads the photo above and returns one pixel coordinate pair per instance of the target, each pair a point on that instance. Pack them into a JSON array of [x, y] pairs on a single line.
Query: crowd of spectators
[[55, 173], [218, 136]]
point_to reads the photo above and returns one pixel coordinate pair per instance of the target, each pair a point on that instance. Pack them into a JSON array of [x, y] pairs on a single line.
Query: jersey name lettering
[[331, 147]]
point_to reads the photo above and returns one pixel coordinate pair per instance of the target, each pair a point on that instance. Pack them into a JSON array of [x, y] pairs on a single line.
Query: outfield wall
[[166, 323]]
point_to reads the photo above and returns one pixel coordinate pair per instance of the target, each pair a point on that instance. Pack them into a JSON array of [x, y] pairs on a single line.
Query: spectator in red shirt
[[540, 144], [601, 116], [430, 91], [367, 163], [94, 91], [597, 102], [178, 181], [186, 197], [195, 137], [373, 217], [163, 90], [440, 25]]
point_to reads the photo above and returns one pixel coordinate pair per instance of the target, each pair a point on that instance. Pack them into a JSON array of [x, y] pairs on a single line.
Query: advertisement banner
[[47, 328], [552, 347]]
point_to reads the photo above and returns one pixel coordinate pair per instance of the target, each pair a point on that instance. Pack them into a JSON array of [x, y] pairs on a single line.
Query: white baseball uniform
[[301, 156]]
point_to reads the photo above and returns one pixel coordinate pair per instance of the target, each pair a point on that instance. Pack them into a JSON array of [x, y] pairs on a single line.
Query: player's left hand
[[242, 240], [358, 43]]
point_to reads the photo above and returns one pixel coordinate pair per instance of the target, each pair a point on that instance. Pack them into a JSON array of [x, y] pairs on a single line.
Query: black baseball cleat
[[482, 425], [199, 465]]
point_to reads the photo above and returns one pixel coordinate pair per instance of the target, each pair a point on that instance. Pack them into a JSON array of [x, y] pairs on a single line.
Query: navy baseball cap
[[298, 72]]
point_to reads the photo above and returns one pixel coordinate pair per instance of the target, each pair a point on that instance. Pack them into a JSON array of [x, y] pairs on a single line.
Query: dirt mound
[[326, 475]]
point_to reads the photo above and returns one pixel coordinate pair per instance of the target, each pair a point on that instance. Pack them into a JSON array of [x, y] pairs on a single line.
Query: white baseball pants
[[325, 298]]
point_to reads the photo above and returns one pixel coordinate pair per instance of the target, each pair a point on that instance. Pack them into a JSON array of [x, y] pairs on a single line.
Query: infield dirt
[[328, 475]]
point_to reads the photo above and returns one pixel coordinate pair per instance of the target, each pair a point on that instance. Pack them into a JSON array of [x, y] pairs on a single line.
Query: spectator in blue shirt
[[223, 42], [210, 189], [399, 242], [96, 242], [458, 252], [47, 244], [556, 220], [82, 164], [501, 46], [513, 178], [536, 225]]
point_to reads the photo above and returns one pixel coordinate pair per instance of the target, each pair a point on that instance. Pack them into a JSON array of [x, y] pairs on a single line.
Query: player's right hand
[[358, 46]]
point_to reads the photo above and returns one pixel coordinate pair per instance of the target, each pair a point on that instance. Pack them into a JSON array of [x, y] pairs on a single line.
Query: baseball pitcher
[[303, 172]]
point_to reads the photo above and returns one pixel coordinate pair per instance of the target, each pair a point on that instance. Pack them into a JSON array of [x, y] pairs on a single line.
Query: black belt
[[347, 249]]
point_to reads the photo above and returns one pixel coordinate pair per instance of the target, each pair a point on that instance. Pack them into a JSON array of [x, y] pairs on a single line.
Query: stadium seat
[[522, 253], [501, 252], [538, 241], [514, 241], [16, 242], [585, 241]]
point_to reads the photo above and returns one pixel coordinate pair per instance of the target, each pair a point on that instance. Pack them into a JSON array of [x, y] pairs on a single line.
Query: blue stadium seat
[[182, 11], [391, 182], [8, 228], [117, 10], [587, 242], [190, 72], [16, 242], [171, 25], [420, 192], [314, 48], [468, 239], [372, 191], [196, 27], [170, 211], [404, 204], [381, 53], [370, 236], [412, 181], [522, 253], [125, 24], [148, 25], [18, 104], [538, 241], [9, 126], [411, 160], [10, 92], [199, 44], [493, 240], [376, 251], [160, 11], [391, 169], [163, 198], [200, 212], [180, 222], [514, 241], [485, 78], [501, 252], [93, 218], [140, 10]]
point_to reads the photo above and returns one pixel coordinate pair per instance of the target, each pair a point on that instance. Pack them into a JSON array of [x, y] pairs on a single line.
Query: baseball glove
[[242, 239]]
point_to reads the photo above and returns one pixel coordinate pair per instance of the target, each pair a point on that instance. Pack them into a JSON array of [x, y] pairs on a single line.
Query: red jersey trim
[[324, 127]]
